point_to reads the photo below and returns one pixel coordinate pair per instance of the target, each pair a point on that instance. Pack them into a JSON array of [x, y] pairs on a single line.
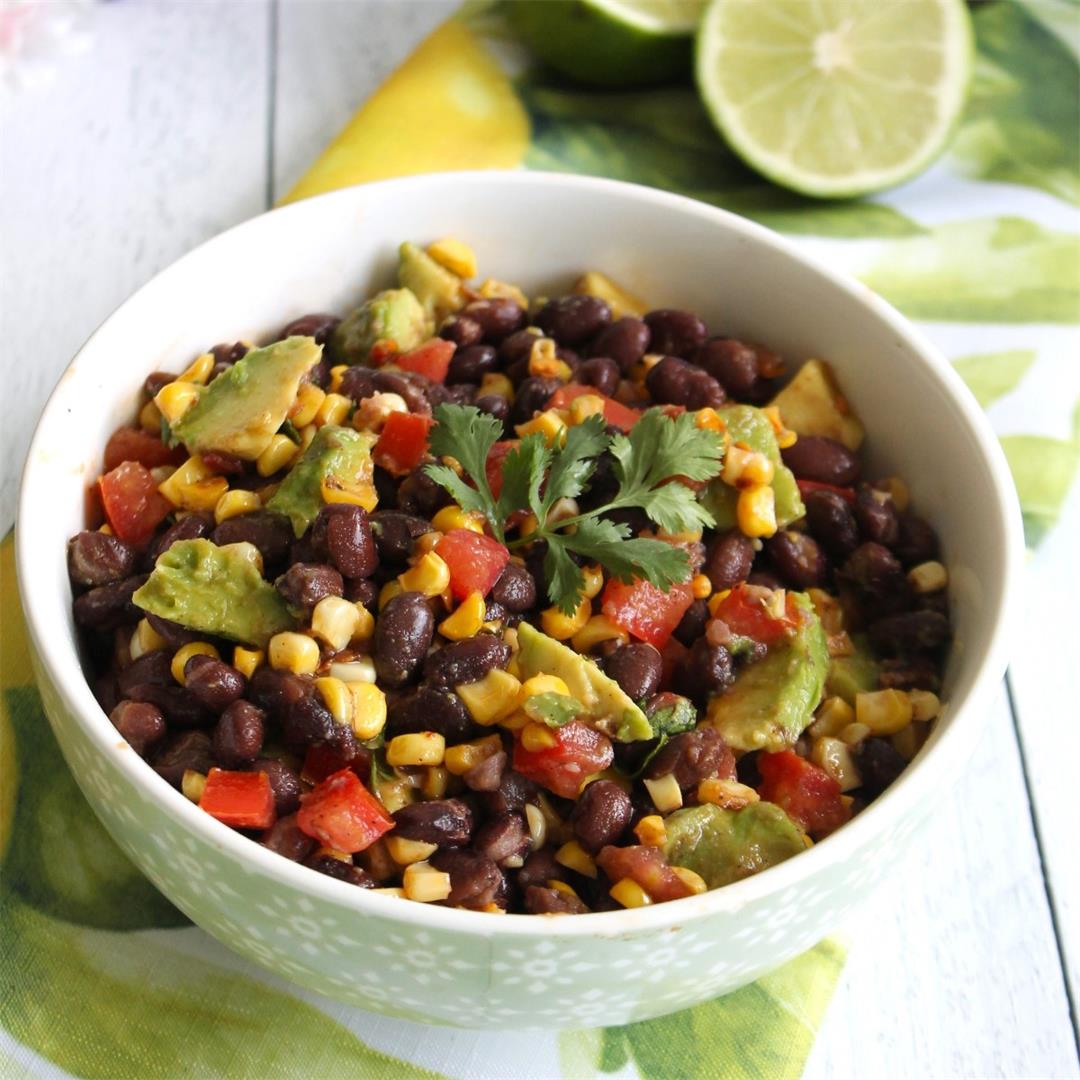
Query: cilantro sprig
[[646, 464]]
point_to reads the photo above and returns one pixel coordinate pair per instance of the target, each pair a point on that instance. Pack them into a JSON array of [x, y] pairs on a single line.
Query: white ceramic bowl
[[539, 230]]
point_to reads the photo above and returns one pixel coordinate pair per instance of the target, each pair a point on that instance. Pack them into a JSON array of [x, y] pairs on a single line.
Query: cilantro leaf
[[466, 496], [466, 434], [575, 463], [660, 447], [552, 709], [675, 508], [565, 581], [606, 542], [674, 718], [523, 472]]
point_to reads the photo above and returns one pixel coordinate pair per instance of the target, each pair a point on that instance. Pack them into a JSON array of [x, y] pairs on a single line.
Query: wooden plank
[[144, 146], [953, 969]]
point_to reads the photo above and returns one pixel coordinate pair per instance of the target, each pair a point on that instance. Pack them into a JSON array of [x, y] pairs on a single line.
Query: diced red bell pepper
[[244, 800], [133, 505], [745, 614], [475, 561], [494, 465], [807, 794], [321, 761], [432, 359], [615, 413], [807, 486], [646, 612], [134, 444], [579, 751], [402, 443], [341, 813]]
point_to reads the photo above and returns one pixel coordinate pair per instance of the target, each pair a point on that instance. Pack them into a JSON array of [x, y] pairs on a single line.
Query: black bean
[[517, 348], [284, 783], [909, 673], [214, 684], [221, 461], [156, 381], [831, 522], [539, 868], [106, 691], [140, 723], [180, 706], [798, 559], [515, 590], [572, 320], [910, 632], [357, 383], [430, 710], [286, 838], [152, 667], [601, 815], [877, 517], [362, 591], [692, 624], [879, 764], [917, 542], [705, 670], [307, 721], [637, 668], [318, 325], [414, 388], [494, 405], [675, 382], [334, 867], [679, 333], [462, 331], [187, 750], [229, 353], [189, 527], [471, 364], [486, 775], [341, 534], [503, 839], [475, 880], [403, 633], [532, 396], [732, 363], [395, 533], [542, 900], [600, 372], [728, 559], [420, 496], [692, 757], [465, 661], [271, 533], [498, 318], [239, 733], [96, 558], [437, 821], [513, 792], [875, 571], [625, 341], [277, 691], [815, 457], [109, 606], [304, 584]]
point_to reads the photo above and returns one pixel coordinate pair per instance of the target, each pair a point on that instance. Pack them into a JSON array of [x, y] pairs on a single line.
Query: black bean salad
[[547, 606]]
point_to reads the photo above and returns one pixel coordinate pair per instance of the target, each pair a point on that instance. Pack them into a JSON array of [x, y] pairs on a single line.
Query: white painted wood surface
[[189, 115]]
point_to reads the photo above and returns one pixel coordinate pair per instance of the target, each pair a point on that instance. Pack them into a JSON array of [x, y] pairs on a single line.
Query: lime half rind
[[835, 98]]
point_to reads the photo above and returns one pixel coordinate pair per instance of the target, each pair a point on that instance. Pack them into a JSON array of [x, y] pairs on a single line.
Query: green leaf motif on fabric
[[1022, 122], [984, 270], [148, 1009], [990, 376], [1043, 470], [764, 1029]]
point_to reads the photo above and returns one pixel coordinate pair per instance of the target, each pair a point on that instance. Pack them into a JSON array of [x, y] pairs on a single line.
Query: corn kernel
[[729, 794], [537, 737], [276, 456], [542, 684], [150, 418], [908, 741], [492, 698], [924, 705], [716, 600], [406, 852], [581, 408], [175, 398], [563, 887], [629, 893], [495, 382], [832, 717], [361, 493], [928, 577], [537, 825], [466, 620], [642, 368], [388, 592], [746, 468], [373, 412], [756, 511], [435, 781], [333, 410], [334, 853], [337, 375], [368, 710], [365, 624], [854, 733], [336, 697], [145, 639], [421, 881], [898, 492], [192, 784], [308, 400], [691, 879], [430, 575], [573, 856], [834, 756], [828, 610], [394, 794], [235, 502], [359, 669], [708, 419], [651, 831], [335, 621], [701, 587], [461, 758], [248, 661], [184, 478], [493, 289], [561, 626], [397, 894], [549, 425], [453, 517], [418, 748], [621, 302], [785, 438], [293, 652], [598, 629], [665, 793], [884, 712], [185, 653], [455, 255], [106, 529]]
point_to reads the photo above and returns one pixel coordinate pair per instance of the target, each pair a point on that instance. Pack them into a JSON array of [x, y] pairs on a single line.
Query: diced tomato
[[321, 760], [432, 359], [244, 800], [494, 465], [579, 751], [648, 867], [806, 486], [475, 561], [807, 794], [341, 813], [646, 612], [615, 413], [133, 505], [383, 352], [745, 614], [402, 443], [134, 444]]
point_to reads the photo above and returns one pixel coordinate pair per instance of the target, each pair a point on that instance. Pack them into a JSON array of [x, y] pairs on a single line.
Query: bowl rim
[[917, 784]]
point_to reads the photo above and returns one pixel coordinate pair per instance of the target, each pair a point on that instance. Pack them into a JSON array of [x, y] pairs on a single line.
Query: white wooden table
[[187, 116]]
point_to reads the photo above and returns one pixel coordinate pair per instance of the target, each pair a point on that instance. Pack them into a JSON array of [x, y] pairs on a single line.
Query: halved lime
[[611, 43], [835, 98]]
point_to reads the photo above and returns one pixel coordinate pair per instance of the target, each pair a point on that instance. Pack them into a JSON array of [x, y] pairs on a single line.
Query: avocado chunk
[[727, 845], [811, 404], [216, 590], [439, 291], [393, 318], [605, 706], [242, 409], [773, 700], [854, 674], [750, 425], [339, 458]]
